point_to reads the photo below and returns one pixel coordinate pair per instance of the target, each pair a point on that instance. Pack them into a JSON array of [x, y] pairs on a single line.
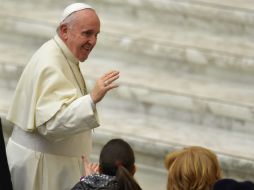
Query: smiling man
[[52, 112]]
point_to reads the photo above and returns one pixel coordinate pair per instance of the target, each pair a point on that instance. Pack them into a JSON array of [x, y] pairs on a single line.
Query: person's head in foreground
[[78, 28], [117, 159], [192, 168], [116, 168], [230, 184]]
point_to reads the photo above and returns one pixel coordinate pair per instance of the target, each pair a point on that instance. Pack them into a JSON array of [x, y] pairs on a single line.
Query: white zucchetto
[[73, 8]]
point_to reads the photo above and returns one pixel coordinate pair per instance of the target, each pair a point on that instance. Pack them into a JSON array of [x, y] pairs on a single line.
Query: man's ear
[[133, 171], [63, 29]]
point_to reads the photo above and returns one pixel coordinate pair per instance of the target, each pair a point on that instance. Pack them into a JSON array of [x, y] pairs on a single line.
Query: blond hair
[[192, 168]]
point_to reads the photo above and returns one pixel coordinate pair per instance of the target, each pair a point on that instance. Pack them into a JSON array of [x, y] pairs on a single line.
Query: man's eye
[[87, 33]]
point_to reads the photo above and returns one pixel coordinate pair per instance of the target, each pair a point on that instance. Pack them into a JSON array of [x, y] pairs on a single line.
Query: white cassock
[[53, 117]]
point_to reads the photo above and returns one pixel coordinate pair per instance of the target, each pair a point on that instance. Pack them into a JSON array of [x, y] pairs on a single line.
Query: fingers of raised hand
[[109, 74], [94, 167], [109, 78], [89, 168], [108, 83], [103, 85]]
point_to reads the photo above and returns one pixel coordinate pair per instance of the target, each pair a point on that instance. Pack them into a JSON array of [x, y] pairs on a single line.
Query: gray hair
[[69, 21]]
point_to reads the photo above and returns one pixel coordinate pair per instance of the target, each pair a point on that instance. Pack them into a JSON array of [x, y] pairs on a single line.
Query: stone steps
[[190, 90], [222, 105], [201, 15], [162, 135], [198, 52], [153, 137], [177, 96]]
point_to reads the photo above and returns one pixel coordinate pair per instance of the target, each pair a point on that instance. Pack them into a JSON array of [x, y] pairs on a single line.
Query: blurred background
[[187, 75]]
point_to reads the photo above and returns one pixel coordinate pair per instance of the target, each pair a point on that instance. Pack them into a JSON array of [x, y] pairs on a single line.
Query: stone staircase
[[186, 74]]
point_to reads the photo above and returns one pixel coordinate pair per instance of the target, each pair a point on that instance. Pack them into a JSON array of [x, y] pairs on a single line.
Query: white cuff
[[92, 103]]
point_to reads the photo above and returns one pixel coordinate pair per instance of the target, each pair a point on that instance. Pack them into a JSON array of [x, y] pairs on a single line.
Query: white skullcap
[[73, 8]]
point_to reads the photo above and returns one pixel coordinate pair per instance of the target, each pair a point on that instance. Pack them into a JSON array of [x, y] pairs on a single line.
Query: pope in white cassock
[[52, 113]]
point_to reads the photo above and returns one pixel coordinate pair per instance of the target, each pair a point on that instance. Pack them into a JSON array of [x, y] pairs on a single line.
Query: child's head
[[117, 159], [116, 153], [192, 168]]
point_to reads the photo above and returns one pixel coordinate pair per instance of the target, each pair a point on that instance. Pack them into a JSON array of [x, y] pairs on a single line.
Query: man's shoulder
[[49, 48], [47, 59], [48, 55]]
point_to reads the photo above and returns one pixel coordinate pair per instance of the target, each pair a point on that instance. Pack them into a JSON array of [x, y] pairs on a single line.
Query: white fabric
[[38, 143], [46, 85], [51, 106], [32, 170], [77, 117], [73, 8]]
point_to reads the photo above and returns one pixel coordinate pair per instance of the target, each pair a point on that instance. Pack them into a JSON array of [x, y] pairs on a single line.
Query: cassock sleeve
[[77, 117]]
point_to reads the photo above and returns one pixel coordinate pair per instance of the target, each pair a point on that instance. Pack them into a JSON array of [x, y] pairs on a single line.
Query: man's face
[[81, 35]]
